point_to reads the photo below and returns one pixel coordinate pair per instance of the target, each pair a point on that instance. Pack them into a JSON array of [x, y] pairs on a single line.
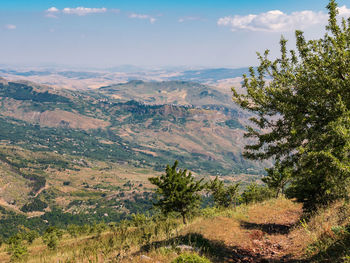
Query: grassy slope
[[48, 132], [84, 176], [209, 140], [168, 92], [266, 232]]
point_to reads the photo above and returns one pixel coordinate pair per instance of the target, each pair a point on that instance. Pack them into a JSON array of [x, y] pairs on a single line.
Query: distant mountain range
[[215, 74], [131, 73]]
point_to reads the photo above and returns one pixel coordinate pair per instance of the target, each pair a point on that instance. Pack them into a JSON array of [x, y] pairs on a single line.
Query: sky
[[153, 33]]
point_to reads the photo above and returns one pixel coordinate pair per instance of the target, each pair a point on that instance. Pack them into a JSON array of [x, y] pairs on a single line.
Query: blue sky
[[198, 33]]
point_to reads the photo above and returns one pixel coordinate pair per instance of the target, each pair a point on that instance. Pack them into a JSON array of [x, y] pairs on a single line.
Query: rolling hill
[[168, 92], [78, 155]]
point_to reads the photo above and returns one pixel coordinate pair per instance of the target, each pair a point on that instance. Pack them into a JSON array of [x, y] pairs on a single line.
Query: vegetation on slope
[[168, 92], [259, 232], [95, 125], [303, 118]]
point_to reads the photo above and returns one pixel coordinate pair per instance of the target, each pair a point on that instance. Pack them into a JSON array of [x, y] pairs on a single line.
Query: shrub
[[35, 205], [17, 249], [52, 236], [190, 258], [30, 236], [224, 196], [256, 193]]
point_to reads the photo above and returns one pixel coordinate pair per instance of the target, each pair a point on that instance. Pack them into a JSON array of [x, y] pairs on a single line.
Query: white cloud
[[344, 11], [273, 21], [10, 27], [52, 12], [277, 21], [188, 18], [151, 19], [82, 11]]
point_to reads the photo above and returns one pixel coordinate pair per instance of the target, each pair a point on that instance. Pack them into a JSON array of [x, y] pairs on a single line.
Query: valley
[[84, 155]]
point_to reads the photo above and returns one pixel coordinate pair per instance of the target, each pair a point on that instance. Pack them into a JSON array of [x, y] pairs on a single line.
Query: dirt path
[[41, 189], [262, 233]]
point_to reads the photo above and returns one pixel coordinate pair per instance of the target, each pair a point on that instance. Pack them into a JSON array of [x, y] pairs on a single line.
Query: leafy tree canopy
[[301, 103], [224, 196], [277, 178]]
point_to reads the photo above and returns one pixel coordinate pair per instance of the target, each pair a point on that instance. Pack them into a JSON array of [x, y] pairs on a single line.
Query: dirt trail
[[263, 233], [41, 189]]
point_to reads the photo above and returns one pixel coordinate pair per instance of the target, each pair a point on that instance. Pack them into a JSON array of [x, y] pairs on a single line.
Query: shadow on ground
[[217, 251], [271, 229]]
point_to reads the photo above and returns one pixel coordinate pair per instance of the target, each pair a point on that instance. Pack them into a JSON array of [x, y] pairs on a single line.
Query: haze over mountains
[[61, 77]]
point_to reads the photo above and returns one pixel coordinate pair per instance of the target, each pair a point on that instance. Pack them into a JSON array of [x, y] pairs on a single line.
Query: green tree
[[30, 236], [277, 178], [51, 237], [256, 193], [301, 106], [16, 248], [177, 191], [224, 196], [73, 230]]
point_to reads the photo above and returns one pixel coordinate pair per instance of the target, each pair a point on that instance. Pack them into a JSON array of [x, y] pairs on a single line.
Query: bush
[[52, 236], [35, 205], [190, 258], [256, 193], [30, 236], [16, 248], [224, 196]]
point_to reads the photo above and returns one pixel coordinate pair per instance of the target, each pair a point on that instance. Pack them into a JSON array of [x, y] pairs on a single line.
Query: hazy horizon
[[104, 34]]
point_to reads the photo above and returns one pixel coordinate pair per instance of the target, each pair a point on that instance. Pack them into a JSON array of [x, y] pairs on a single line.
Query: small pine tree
[[30, 236], [16, 248], [256, 193], [51, 237], [277, 178], [73, 230], [223, 196], [177, 191]]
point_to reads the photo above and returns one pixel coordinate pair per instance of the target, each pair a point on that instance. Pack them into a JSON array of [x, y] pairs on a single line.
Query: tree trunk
[[277, 193], [235, 203], [184, 219]]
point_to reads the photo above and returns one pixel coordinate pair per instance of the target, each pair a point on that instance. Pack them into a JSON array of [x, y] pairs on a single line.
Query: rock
[[145, 258], [183, 248]]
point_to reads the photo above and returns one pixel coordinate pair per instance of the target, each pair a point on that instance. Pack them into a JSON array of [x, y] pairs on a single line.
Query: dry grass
[[266, 232]]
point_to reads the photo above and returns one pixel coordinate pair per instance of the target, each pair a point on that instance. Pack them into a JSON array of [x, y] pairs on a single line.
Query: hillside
[[264, 232], [211, 135], [211, 75], [77, 155], [169, 92]]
